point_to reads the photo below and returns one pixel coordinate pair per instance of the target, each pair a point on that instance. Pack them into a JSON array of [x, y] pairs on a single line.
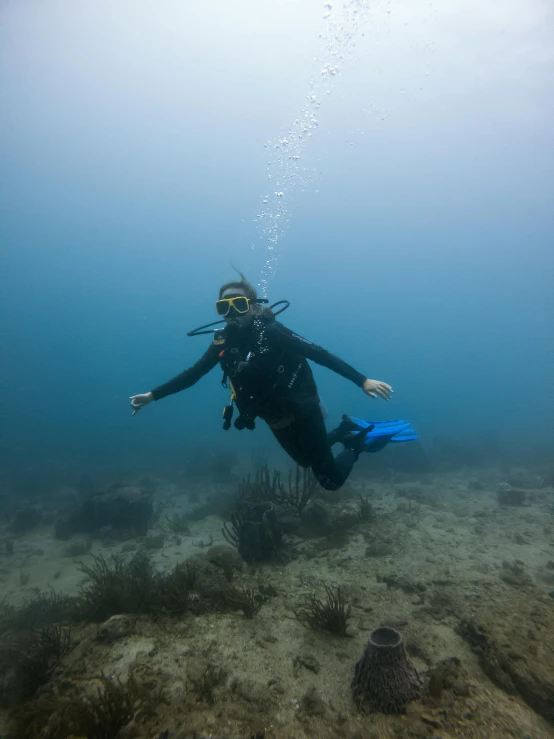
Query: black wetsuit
[[266, 366]]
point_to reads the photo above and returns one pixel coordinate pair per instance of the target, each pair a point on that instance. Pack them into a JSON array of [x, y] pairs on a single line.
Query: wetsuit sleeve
[[318, 354], [190, 376]]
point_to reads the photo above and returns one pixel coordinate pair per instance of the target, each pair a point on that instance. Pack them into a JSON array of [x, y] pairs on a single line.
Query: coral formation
[[262, 488], [411, 507], [443, 676], [365, 510], [100, 713], [8, 546], [255, 531], [204, 678], [177, 523], [114, 586], [154, 541], [384, 679], [226, 559], [203, 543], [514, 574], [331, 615], [77, 548], [298, 491], [232, 661], [125, 509], [378, 545], [25, 520], [518, 657], [511, 496], [214, 465], [215, 505], [134, 587], [43, 609], [28, 659], [245, 599], [267, 486]]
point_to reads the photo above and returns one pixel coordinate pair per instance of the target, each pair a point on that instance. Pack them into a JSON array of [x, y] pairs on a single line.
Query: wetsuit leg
[[306, 441], [335, 436]]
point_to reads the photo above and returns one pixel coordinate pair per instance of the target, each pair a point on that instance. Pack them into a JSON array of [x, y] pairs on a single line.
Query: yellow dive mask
[[239, 303]]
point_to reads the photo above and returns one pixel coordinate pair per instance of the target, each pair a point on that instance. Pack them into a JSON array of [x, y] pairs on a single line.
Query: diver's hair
[[243, 285]]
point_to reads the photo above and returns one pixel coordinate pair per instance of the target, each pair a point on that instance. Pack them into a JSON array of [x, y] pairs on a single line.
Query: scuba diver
[[265, 365]]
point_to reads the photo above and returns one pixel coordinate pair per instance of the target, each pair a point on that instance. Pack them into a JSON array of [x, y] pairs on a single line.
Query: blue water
[[419, 245]]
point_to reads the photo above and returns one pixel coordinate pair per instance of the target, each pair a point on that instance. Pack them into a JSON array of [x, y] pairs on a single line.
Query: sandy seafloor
[[438, 553]]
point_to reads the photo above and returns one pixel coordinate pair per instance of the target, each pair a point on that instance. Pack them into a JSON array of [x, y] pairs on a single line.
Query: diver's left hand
[[375, 388]]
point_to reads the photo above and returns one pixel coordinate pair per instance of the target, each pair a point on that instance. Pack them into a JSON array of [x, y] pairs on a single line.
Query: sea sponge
[[255, 531], [384, 678]]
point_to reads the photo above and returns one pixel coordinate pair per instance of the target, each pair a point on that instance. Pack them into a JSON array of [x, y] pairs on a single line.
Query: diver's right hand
[[139, 401]]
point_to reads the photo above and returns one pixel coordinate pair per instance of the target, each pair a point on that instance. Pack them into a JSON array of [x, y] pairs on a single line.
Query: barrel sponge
[[384, 678]]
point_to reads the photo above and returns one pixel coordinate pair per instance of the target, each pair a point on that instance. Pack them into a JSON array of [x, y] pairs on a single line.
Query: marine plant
[[263, 487], [298, 491], [114, 586], [268, 486], [259, 457], [28, 660], [77, 548], [254, 531], [25, 520], [103, 714], [216, 505], [410, 507], [205, 680], [125, 509], [172, 594], [245, 599], [7, 615], [24, 578], [514, 573], [177, 523], [512, 497], [154, 541], [213, 465], [365, 511], [330, 615], [100, 714], [42, 609], [204, 543]]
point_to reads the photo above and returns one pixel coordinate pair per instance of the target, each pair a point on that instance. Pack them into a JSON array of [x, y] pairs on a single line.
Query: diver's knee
[[327, 483]]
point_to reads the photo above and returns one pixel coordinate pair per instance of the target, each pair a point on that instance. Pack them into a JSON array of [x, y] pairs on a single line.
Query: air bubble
[[337, 42]]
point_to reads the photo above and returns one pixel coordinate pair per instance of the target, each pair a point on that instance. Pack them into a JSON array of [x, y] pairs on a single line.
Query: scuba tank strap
[[219, 340], [229, 409]]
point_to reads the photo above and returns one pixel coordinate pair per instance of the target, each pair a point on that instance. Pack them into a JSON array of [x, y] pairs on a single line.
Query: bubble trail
[[287, 173]]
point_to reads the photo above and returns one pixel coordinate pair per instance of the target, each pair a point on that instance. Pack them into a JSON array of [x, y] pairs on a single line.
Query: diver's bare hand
[[375, 388], [139, 401]]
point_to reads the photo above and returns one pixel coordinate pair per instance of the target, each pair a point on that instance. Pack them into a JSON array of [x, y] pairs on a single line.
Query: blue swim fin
[[381, 433]]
